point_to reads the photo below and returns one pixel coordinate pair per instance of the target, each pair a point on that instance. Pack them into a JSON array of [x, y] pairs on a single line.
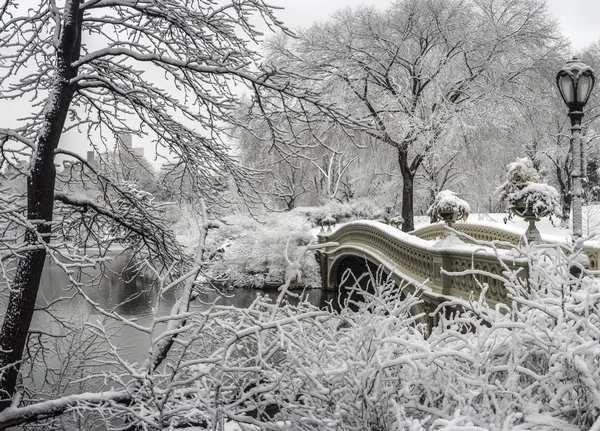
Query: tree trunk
[[40, 206], [566, 210], [408, 178], [407, 203], [432, 195]]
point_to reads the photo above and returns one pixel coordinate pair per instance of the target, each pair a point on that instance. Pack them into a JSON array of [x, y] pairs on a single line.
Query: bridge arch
[[435, 268], [358, 262]]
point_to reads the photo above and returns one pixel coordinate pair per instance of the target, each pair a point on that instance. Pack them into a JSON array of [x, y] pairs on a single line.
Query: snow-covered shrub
[[530, 365], [521, 172], [391, 217], [542, 199], [249, 253], [395, 221], [525, 194], [446, 202], [359, 209]]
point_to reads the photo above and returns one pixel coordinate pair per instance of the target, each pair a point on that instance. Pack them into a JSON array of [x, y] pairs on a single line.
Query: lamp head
[[575, 82]]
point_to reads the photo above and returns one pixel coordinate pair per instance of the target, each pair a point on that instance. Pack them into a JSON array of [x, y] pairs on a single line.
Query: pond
[[130, 296], [133, 297]]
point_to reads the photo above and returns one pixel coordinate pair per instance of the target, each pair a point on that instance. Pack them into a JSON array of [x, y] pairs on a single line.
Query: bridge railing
[[408, 257], [489, 232]]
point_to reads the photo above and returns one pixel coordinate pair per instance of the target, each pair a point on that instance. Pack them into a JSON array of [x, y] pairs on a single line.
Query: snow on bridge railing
[[495, 232], [408, 257]]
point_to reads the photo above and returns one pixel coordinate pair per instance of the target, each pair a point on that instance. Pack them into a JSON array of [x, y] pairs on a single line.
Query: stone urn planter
[[528, 198], [448, 216], [449, 208], [525, 211], [396, 222], [327, 223]]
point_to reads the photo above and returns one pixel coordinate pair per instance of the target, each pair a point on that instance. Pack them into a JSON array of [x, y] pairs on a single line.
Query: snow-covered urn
[[527, 197], [327, 223], [448, 207], [396, 222], [390, 218]]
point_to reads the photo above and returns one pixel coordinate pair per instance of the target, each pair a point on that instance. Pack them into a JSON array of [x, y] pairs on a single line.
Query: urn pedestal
[[526, 212], [449, 217]]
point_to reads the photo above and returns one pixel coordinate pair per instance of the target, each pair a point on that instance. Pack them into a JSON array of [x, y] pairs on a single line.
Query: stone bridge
[[414, 257]]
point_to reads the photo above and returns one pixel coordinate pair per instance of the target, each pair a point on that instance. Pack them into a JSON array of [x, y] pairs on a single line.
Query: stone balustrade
[[486, 232], [410, 258]]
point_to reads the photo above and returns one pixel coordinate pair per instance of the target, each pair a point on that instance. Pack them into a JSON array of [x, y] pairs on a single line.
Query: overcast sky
[[580, 19]]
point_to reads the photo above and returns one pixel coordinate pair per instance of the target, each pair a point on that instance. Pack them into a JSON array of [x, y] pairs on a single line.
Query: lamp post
[[575, 82]]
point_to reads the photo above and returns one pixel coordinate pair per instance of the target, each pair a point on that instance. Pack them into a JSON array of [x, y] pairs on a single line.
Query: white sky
[[580, 19]]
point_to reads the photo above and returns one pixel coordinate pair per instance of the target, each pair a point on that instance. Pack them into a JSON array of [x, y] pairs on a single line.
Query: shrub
[[361, 209], [529, 365], [249, 253]]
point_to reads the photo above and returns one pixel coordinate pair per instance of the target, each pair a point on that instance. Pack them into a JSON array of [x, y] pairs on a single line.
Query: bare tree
[[163, 70], [411, 71]]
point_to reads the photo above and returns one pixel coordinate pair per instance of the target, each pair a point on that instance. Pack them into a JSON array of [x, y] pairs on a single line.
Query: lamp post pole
[[576, 175], [575, 82]]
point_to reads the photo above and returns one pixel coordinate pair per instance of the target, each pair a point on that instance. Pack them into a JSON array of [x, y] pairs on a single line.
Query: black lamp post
[[575, 82]]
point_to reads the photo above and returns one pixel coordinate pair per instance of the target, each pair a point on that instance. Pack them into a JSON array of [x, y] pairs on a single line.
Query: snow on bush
[[446, 201], [529, 365], [521, 172], [542, 199], [343, 212], [248, 253], [525, 193]]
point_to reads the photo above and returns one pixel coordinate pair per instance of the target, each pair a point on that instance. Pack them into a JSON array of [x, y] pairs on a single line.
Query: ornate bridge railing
[[409, 258], [489, 232]]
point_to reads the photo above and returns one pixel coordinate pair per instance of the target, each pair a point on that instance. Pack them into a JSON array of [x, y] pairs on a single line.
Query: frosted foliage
[[543, 199], [447, 201], [522, 171], [529, 366], [526, 194], [247, 253]]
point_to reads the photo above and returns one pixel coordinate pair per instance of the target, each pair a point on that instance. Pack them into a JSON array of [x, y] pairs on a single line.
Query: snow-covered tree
[[412, 71], [167, 71]]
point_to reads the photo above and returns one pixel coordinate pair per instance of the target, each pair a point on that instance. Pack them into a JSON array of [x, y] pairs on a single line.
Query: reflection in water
[[73, 364], [133, 297], [117, 288], [242, 298]]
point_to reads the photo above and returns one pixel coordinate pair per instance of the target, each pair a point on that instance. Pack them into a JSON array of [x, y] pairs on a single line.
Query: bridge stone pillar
[[442, 260], [323, 261]]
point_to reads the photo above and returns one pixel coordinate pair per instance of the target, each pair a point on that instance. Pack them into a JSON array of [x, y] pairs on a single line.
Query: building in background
[[125, 141]]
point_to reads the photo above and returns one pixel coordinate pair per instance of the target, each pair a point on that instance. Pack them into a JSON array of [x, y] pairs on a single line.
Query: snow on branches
[[527, 365], [526, 194], [446, 202]]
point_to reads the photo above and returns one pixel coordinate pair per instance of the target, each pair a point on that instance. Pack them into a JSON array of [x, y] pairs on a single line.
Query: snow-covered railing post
[[442, 265], [321, 256]]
